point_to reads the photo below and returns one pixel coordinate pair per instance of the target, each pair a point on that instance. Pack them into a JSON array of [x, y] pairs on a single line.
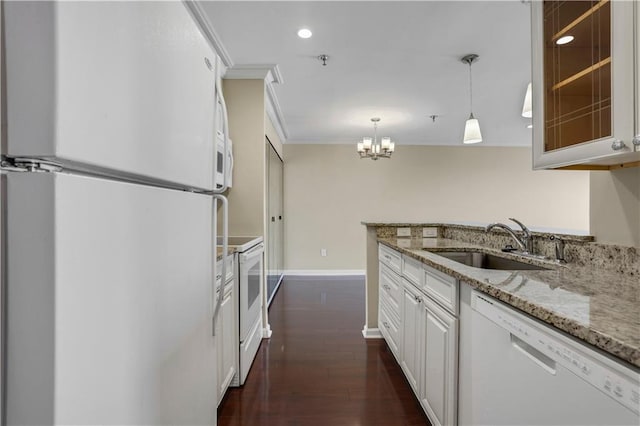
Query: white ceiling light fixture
[[526, 107], [472, 132], [304, 33], [564, 40], [371, 148]]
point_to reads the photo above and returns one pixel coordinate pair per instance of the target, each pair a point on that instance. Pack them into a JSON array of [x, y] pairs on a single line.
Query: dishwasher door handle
[[547, 364]]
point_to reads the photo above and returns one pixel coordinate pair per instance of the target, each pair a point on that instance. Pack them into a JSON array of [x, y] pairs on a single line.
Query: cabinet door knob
[[617, 145]]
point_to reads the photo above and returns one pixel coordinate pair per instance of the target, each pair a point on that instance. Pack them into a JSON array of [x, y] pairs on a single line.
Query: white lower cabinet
[[418, 319], [412, 334], [438, 390], [226, 338], [390, 329]]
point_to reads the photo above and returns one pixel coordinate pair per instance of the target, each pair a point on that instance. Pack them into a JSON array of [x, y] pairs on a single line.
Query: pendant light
[[472, 126]]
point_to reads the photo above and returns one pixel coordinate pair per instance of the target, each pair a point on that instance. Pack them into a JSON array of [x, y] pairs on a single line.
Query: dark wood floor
[[317, 369]]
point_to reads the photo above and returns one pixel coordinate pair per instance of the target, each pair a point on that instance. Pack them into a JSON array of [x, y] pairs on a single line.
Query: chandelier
[[371, 148]]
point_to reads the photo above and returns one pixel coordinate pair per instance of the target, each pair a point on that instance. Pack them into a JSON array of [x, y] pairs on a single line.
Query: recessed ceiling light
[[564, 40], [304, 33]]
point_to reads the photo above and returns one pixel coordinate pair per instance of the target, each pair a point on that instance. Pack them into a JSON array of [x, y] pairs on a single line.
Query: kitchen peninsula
[[442, 316]]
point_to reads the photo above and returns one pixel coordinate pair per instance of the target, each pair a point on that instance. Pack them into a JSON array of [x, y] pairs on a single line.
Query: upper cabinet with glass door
[[584, 74]]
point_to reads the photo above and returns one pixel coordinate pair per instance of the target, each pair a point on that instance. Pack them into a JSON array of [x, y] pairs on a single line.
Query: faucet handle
[[559, 248]]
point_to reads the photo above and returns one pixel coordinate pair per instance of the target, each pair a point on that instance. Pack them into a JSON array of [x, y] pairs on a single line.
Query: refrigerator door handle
[[225, 251]]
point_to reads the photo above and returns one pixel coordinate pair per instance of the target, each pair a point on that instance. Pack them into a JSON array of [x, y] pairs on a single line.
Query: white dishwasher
[[516, 371]]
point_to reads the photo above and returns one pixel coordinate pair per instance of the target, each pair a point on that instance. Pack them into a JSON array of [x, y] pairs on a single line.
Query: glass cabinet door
[[583, 66], [577, 72]]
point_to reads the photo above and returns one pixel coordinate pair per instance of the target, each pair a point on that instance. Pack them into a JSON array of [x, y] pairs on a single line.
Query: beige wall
[[245, 104], [329, 191], [615, 206]]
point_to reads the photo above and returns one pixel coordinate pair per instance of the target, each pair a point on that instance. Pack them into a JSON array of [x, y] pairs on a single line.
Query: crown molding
[[268, 72], [275, 113], [200, 16]]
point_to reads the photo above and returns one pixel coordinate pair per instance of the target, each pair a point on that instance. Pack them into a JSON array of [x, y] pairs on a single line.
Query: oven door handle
[[225, 252]]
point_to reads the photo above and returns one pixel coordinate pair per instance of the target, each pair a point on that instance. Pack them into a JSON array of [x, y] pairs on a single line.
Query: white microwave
[[224, 163]]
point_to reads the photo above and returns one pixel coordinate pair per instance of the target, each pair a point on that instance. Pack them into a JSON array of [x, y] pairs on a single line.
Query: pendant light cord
[[470, 90]]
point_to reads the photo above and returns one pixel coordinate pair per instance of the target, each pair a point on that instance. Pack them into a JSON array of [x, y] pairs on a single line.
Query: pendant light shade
[[472, 131], [526, 107], [472, 126]]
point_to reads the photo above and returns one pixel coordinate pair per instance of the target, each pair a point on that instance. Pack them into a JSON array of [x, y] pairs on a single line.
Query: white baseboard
[[324, 272], [371, 333]]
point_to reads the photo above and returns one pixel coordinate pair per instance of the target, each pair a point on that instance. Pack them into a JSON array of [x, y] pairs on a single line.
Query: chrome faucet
[[525, 243]]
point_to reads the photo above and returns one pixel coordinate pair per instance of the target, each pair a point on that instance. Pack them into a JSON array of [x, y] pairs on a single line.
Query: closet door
[[275, 221]]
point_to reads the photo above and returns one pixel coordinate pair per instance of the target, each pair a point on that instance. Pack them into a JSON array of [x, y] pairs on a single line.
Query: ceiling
[[396, 60]]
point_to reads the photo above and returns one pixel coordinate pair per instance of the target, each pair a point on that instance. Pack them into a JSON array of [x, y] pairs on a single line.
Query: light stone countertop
[[232, 249], [597, 306]]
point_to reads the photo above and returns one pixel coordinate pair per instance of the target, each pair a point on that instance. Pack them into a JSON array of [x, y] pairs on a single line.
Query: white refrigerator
[[108, 215]]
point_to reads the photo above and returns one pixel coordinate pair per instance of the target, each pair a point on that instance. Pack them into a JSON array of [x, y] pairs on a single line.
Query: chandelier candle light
[[371, 148], [472, 126]]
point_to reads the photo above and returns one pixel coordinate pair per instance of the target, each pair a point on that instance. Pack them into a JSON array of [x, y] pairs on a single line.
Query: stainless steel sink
[[488, 261]]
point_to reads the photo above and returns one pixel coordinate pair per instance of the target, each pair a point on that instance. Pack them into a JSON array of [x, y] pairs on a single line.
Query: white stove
[[250, 280]]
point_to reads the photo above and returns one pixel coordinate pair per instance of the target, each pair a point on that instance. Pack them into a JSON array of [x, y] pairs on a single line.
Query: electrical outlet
[[403, 232], [429, 232], [323, 252]]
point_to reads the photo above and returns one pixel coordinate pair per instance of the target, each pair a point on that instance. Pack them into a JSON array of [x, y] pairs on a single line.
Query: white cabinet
[[418, 307], [583, 91], [389, 312], [226, 337], [438, 390], [412, 336]]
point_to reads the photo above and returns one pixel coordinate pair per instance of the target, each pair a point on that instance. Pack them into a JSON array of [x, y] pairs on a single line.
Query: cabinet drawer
[[390, 329], [442, 288], [389, 257], [229, 272], [412, 271], [390, 289]]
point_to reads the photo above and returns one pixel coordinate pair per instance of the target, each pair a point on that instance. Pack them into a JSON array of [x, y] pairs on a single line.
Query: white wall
[[615, 206], [329, 191]]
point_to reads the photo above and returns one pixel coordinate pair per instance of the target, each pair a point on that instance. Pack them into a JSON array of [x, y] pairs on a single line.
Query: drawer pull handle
[[386, 256], [386, 324], [418, 299], [386, 287]]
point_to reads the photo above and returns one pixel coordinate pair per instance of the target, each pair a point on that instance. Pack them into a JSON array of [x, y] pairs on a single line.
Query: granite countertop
[[597, 306], [231, 249], [571, 235]]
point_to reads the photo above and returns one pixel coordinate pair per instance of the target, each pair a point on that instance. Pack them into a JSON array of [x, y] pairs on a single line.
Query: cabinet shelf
[[597, 107], [579, 20], [582, 73]]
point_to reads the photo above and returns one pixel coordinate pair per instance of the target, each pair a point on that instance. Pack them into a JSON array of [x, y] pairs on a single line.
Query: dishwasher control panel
[[612, 378]]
